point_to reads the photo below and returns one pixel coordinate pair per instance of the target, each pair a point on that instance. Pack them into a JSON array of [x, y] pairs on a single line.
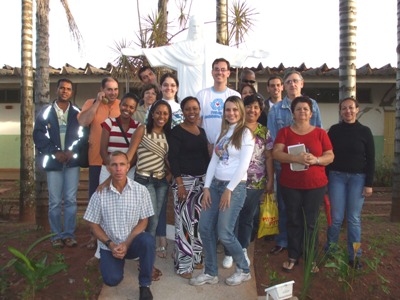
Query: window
[[331, 95], [10, 96]]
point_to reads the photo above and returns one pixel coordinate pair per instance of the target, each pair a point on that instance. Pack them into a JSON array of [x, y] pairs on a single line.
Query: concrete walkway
[[173, 287]]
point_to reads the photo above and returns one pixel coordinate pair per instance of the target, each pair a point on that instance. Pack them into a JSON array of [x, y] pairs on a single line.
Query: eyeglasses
[[290, 81], [249, 81], [220, 70]]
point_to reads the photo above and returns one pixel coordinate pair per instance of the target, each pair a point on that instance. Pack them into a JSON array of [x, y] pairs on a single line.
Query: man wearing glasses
[[279, 116], [247, 77], [212, 100]]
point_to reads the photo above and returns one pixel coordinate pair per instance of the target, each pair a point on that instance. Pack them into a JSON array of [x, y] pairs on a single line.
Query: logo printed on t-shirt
[[217, 106]]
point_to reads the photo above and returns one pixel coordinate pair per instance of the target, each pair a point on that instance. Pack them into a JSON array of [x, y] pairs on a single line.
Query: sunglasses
[[249, 81]]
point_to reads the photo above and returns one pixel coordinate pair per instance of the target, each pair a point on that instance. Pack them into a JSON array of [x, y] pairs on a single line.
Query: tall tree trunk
[[395, 212], [27, 168], [163, 13], [348, 49], [42, 97], [222, 21]]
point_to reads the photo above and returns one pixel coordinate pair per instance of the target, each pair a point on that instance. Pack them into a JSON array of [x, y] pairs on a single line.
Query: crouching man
[[118, 217]]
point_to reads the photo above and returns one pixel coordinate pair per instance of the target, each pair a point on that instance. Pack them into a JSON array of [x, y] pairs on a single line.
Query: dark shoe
[[276, 250], [70, 242], [357, 265], [145, 293], [289, 265], [58, 244]]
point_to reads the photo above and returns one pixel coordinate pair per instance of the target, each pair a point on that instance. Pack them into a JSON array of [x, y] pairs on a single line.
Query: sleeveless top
[[151, 152]]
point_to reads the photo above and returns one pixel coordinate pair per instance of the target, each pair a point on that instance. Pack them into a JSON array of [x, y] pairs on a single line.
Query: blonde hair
[[236, 138]]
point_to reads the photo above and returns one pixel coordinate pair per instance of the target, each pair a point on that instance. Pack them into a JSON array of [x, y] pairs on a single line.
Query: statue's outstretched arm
[[132, 52]]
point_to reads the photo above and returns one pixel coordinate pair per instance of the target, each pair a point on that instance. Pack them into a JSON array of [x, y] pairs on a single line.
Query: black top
[[353, 146], [188, 153]]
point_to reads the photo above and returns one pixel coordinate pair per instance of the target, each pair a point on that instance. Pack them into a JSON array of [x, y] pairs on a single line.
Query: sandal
[[289, 265], [161, 252], [314, 267], [156, 274], [186, 275]]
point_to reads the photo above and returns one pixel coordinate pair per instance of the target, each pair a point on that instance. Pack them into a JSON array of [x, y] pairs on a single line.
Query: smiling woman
[[188, 157], [149, 143]]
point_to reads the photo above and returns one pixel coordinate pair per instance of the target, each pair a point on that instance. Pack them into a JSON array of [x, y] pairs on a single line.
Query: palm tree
[[222, 22], [348, 49], [163, 14], [27, 179], [395, 211], [42, 89], [241, 21]]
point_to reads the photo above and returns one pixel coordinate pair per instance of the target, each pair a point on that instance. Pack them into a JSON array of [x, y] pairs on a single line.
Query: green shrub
[[383, 172]]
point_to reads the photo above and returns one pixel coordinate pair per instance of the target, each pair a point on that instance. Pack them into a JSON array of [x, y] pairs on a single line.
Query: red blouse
[[316, 142]]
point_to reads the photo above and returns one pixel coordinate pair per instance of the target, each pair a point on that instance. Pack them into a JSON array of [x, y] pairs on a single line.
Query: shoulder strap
[[122, 130]]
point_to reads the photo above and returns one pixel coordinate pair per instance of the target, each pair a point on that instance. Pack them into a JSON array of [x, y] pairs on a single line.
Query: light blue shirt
[[280, 115]]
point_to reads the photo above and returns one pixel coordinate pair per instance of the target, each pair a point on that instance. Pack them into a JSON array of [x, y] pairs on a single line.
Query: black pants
[[302, 208]]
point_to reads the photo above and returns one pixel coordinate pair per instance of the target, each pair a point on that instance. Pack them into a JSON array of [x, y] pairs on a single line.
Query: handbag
[[268, 217]]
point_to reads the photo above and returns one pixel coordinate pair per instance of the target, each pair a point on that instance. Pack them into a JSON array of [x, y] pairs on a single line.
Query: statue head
[[195, 28]]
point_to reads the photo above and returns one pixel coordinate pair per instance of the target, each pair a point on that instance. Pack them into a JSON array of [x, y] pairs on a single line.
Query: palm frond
[[241, 21], [73, 27]]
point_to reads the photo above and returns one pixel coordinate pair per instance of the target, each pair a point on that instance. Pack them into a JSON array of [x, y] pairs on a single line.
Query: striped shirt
[[119, 213], [117, 141], [151, 152]]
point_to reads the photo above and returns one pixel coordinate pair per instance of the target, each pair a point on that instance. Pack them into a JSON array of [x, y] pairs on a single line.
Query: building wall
[[372, 116]]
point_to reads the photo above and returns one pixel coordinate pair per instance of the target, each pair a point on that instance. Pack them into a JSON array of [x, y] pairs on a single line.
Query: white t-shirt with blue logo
[[212, 108]]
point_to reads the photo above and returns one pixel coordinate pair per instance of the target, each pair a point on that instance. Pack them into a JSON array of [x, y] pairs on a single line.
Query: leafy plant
[[312, 257], [373, 265], [91, 288], [36, 271], [274, 277], [338, 261], [383, 175]]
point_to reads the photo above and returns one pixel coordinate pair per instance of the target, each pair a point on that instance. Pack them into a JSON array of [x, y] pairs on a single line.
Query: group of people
[[220, 151]]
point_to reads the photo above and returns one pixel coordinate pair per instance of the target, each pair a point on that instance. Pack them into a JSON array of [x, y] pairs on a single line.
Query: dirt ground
[[378, 280]]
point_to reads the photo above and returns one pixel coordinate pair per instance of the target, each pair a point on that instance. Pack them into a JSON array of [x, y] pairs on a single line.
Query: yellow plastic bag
[[268, 217]]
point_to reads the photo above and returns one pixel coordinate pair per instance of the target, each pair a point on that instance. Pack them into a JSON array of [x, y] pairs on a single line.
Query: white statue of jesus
[[192, 58]]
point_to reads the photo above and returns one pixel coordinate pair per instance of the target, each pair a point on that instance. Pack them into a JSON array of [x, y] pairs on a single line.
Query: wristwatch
[[107, 243]]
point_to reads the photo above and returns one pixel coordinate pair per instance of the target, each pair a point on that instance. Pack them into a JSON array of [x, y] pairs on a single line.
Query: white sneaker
[[238, 277], [246, 256], [227, 262], [203, 279]]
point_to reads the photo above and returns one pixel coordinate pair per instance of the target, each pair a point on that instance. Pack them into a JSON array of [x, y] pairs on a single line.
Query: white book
[[296, 150]]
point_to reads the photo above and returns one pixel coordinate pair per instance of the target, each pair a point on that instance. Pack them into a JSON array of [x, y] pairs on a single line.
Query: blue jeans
[[215, 223], [162, 219], [246, 217], [281, 239], [345, 194], [158, 189], [112, 269], [63, 185]]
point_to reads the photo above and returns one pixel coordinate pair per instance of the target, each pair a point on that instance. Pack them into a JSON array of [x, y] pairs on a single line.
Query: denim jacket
[[46, 135], [280, 115]]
